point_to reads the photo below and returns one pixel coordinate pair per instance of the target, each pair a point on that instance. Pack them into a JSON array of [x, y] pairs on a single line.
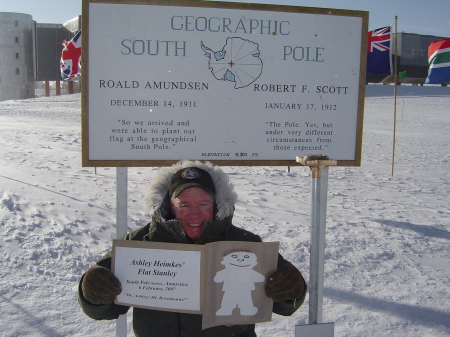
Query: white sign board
[[225, 82], [149, 278]]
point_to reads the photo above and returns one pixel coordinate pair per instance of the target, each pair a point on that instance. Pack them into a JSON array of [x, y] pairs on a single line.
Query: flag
[[379, 61], [71, 57], [439, 61]]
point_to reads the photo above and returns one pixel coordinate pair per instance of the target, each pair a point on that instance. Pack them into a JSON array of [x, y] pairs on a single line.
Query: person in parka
[[193, 203]]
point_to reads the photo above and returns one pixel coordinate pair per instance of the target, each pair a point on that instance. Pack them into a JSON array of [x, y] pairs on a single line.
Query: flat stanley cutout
[[235, 277], [238, 280]]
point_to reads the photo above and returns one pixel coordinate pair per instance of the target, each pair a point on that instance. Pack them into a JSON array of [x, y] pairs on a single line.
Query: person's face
[[194, 208]]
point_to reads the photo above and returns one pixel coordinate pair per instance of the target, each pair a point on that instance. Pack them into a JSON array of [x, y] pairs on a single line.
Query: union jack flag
[[379, 52], [71, 57]]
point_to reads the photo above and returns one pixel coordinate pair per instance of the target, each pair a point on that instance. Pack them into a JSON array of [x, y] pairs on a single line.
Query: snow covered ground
[[387, 268]]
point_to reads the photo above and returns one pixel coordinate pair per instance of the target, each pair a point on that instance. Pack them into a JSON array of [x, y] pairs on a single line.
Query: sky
[[414, 16]]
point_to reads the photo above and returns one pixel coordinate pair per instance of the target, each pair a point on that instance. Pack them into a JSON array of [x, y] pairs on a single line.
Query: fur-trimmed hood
[[225, 196]]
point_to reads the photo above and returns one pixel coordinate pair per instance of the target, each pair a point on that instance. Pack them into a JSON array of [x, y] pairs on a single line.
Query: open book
[[224, 281]]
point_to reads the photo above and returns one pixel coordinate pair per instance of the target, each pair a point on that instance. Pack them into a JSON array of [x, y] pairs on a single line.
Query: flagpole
[[395, 92]]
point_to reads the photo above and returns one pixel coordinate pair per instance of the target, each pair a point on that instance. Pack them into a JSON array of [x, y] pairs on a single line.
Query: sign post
[[319, 185], [121, 228]]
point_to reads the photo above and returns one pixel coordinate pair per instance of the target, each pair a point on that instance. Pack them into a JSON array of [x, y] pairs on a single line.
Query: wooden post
[[47, 88], [58, 88], [69, 87], [395, 97]]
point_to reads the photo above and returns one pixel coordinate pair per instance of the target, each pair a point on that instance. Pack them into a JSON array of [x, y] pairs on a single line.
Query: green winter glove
[[286, 283], [100, 286]]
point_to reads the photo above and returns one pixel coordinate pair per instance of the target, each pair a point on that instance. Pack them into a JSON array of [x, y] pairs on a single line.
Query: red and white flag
[[71, 57]]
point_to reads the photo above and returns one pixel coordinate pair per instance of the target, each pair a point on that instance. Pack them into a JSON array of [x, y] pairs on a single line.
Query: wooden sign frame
[[305, 94]]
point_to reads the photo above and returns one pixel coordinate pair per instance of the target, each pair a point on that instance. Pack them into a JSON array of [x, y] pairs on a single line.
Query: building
[[412, 58], [30, 52], [17, 50], [413, 54]]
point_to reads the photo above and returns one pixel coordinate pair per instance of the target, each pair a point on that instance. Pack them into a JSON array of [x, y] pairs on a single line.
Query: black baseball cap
[[191, 177]]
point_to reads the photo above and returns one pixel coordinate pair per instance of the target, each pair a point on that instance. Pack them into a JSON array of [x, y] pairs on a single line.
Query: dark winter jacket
[[155, 323]]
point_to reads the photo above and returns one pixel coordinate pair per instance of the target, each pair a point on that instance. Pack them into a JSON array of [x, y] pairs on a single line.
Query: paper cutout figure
[[239, 280]]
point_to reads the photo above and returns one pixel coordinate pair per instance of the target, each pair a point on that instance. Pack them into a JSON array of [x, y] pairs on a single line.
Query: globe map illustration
[[239, 61]]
